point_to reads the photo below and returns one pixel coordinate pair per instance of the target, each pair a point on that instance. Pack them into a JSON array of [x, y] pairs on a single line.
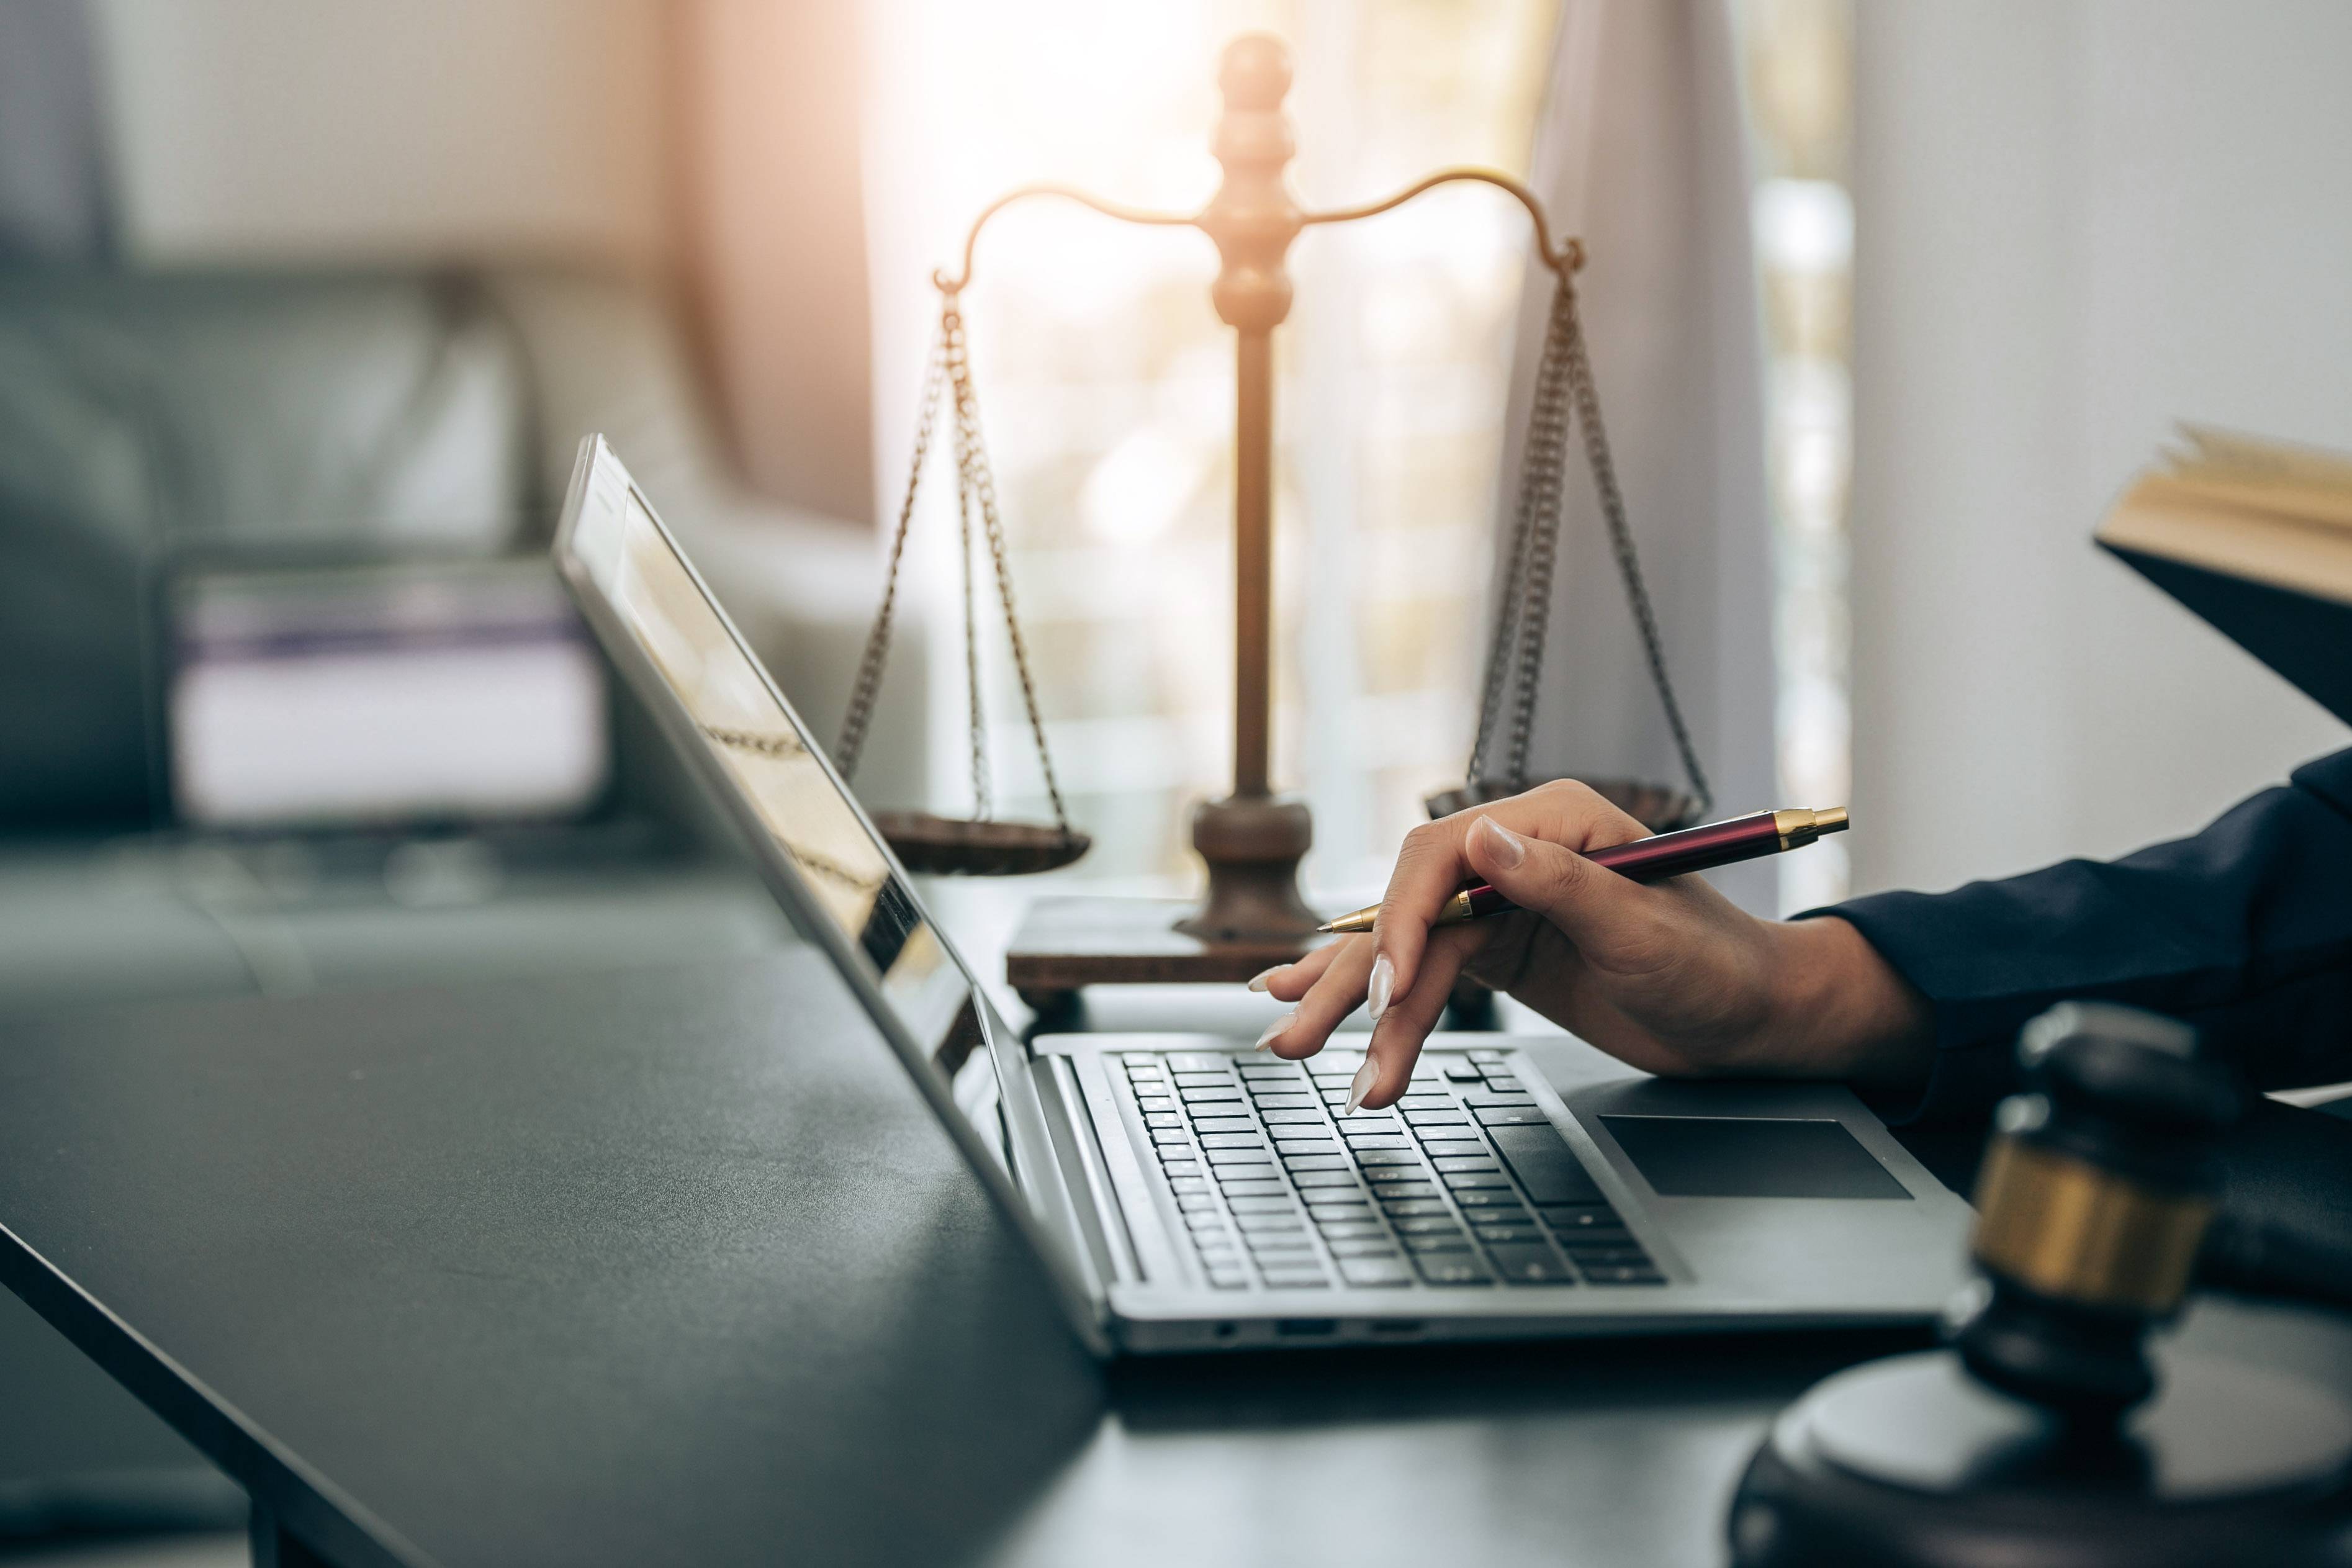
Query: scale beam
[[1254, 840]]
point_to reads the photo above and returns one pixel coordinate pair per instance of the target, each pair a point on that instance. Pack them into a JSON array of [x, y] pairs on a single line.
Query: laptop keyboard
[[1463, 1181]]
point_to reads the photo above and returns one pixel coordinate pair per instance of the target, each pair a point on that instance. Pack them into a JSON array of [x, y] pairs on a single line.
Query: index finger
[[1431, 865]]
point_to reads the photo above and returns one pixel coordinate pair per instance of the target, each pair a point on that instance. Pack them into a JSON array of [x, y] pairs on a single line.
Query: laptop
[[1186, 1194]]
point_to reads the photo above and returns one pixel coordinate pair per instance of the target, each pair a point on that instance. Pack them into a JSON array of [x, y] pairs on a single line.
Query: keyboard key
[[1355, 1129], [1229, 1279], [1489, 1180], [1266, 1071], [1209, 1125], [1336, 1230], [1463, 1072], [1545, 1164], [1527, 1115], [1412, 1208], [1182, 1167], [1305, 1140], [1231, 1140], [1391, 1143], [1334, 1213], [1452, 1268], [1261, 1224], [1427, 1102], [1168, 1135], [1305, 1179], [1608, 1257], [1259, 1155], [1196, 1203], [1427, 1225], [1193, 1061], [1389, 1191], [1384, 1272], [1504, 1083], [1163, 1118], [1211, 1218], [1297, 1280], [1189, 1183], [1524, 1265], [1508, 1234], [1298, 1162], [1271, 1203], [1263, 1243], [1360, 1246], [1501, 1101], [1274, 1118], [1594, 1220], [1419, 1120], [1623, 1276], [1204, 1080], [1487, 1198], [1240, 1187], [1155, 1102], [1368, 1157], [1396, 1175], [1448, 1149], [1437, 1241], [1271, 1102]]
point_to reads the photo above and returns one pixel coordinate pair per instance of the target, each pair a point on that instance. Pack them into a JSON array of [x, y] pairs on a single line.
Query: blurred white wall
[[2076, 221], [425, 129]]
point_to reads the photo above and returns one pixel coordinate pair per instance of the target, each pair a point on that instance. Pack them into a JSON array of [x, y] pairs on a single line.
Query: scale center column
[[1252, 840]]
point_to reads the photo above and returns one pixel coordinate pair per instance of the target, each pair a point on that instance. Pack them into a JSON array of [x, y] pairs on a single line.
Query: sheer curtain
[[1641, 149]]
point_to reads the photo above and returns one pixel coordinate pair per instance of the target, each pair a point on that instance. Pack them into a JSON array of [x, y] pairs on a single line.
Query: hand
[[1671, 977]]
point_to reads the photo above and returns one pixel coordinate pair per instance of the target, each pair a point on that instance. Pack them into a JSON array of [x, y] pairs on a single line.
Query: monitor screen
[[771, 759], [382, 694]]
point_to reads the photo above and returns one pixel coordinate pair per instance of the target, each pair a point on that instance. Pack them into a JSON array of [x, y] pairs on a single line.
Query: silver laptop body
[[1186, 1194]]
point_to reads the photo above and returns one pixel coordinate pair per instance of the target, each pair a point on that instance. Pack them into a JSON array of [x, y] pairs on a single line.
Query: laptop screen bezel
[[1032, 1193]]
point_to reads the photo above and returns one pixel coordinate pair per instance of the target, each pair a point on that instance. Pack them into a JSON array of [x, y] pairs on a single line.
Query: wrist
[[1840, 1010]]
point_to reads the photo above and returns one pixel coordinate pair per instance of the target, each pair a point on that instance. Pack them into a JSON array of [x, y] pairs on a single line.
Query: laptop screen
[[770, 759]]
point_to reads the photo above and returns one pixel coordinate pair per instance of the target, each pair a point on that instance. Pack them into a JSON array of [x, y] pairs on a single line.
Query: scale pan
[[959, 847], [1657, 807]]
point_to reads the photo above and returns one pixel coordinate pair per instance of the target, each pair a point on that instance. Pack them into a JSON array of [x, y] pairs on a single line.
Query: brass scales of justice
[[1253, 840]]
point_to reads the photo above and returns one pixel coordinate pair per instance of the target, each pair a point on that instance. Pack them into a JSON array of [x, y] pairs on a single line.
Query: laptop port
[[1304, 1328], [1398, 1325], [1227, 1331]]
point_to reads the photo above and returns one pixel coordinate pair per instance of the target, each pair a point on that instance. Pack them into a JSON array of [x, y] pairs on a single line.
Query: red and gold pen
[[1653, 860]]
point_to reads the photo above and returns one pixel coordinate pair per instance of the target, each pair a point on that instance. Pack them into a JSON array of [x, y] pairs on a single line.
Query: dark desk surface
[[673, 1266]]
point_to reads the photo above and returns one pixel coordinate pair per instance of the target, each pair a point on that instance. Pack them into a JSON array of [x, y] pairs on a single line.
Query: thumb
[[1585, 901]]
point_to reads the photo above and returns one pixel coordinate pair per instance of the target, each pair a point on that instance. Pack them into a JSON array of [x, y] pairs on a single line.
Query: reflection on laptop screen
[[769, 757]]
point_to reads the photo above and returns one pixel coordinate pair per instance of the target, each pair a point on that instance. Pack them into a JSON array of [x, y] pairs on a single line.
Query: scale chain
[[975, 470], [877, 641], [976, 715], [1621, 540], [1564, 389]]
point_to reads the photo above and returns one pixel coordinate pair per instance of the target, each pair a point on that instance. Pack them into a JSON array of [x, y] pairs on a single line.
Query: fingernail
[[1383, 981], [1503, 844], [1276, 1027], [1265, 977], [1362, 1085]]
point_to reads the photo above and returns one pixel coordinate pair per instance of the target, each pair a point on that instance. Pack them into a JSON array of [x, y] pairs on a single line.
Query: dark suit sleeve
[[2244, 930]]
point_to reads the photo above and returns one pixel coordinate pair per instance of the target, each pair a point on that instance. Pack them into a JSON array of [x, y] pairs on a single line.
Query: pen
[[1652, 859]]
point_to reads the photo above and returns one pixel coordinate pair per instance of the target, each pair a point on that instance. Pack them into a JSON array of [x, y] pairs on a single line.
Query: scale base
[[1066, 944], [1912, 1463], [1253, 845]]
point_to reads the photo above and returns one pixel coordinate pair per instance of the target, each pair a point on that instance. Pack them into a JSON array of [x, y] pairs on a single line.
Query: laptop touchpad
[[1750, 1157]]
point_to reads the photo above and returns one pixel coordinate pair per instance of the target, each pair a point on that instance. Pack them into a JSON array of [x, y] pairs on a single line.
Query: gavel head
[[2096, 1190]]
